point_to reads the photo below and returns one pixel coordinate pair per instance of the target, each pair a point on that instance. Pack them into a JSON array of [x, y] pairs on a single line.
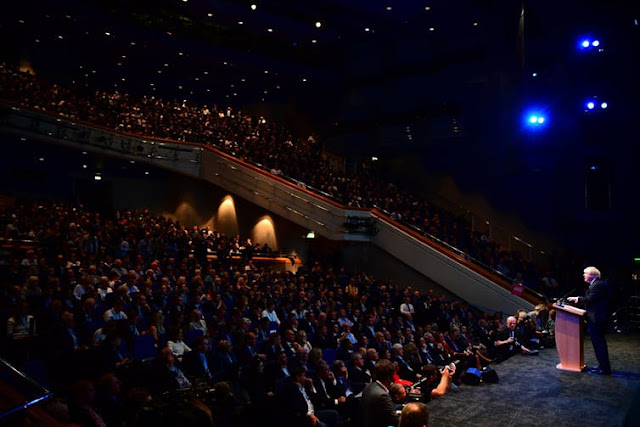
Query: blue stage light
[[595, 43], [604, 105], [591, 105], [534, 120], [585, 44]]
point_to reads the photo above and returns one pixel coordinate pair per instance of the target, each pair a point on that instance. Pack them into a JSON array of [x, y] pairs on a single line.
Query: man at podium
[[596, 303]]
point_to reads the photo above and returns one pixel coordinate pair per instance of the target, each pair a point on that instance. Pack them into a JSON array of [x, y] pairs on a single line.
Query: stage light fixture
[[595, 43], [535, 120], [604, 105], [585, 44], [590, 105]]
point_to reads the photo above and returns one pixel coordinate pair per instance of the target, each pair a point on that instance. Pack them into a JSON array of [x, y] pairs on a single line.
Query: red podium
[[569, 337]]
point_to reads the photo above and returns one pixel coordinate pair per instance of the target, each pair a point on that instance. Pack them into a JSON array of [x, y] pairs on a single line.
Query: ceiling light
[[210, 15], [367, 29], [432, 29], [428, 8], [254, 7], [475, 24], [389, 8], [270, 30], [240, 22], [314, 41], [318, 24]]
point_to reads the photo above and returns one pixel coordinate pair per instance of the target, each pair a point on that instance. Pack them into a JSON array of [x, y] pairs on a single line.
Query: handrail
[[460, 256], [45, 393]]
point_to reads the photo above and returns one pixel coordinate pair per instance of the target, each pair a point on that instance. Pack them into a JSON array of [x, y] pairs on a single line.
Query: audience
[[269, 146], [91, 335]]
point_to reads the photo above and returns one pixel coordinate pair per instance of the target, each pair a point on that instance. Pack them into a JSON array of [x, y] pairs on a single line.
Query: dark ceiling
[[227, 52]]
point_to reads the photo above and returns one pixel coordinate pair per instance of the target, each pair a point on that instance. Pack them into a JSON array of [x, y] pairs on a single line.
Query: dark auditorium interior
[[228, 212]]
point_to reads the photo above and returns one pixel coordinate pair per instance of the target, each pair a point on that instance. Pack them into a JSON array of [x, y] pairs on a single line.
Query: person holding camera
[[438, 381]]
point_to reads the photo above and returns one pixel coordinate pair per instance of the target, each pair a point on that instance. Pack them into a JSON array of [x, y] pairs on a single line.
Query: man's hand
[[573, 299], [342, 399], [314, 420]]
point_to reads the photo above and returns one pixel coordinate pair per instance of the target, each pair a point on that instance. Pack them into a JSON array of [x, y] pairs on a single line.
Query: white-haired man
[[596, 302]]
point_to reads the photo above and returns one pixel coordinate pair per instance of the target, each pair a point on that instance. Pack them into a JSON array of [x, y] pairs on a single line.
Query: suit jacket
[[596, 301], [292, 404], [193, 365], [377, 407], [359, 379], [325, 395]]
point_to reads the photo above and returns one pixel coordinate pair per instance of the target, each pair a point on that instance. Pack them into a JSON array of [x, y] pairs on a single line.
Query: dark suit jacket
[[325, 395], [377, 407], [291, 404], [193, 366], [596, 301], [359, 379]]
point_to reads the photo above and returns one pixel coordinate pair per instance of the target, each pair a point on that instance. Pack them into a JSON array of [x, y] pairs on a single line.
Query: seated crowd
[[269, 146], [135, 325]]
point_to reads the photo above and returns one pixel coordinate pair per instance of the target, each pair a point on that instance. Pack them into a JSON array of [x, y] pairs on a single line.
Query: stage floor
[[532, 392]]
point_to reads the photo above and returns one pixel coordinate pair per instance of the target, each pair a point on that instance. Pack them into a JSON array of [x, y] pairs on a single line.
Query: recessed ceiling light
[[367, 29], [210, 15], [432, 29], [270, 30], [254, 7], [475, 24], [318, 24], [427, 8], [314, 41], [389, 8], [240, 22]]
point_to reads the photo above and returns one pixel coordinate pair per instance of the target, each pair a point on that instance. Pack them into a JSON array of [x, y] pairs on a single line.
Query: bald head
[[414, 414]]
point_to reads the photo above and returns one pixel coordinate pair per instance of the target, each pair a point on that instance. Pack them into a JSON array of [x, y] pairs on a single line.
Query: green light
[[636, 259]]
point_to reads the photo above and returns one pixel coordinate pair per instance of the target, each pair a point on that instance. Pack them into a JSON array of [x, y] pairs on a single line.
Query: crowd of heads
[[270, 146], [88, 294]]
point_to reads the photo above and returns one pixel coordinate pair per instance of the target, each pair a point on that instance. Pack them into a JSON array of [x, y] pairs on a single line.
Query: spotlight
[[585, 44], [591, 105], [535, 120], [595, 43], [604, 105]]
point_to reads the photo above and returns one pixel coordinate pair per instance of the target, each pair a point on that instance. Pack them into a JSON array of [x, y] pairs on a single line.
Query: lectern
[[569, 337]]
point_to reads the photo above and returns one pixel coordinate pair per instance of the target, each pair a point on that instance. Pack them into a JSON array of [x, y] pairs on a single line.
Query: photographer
[[438, 381]]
